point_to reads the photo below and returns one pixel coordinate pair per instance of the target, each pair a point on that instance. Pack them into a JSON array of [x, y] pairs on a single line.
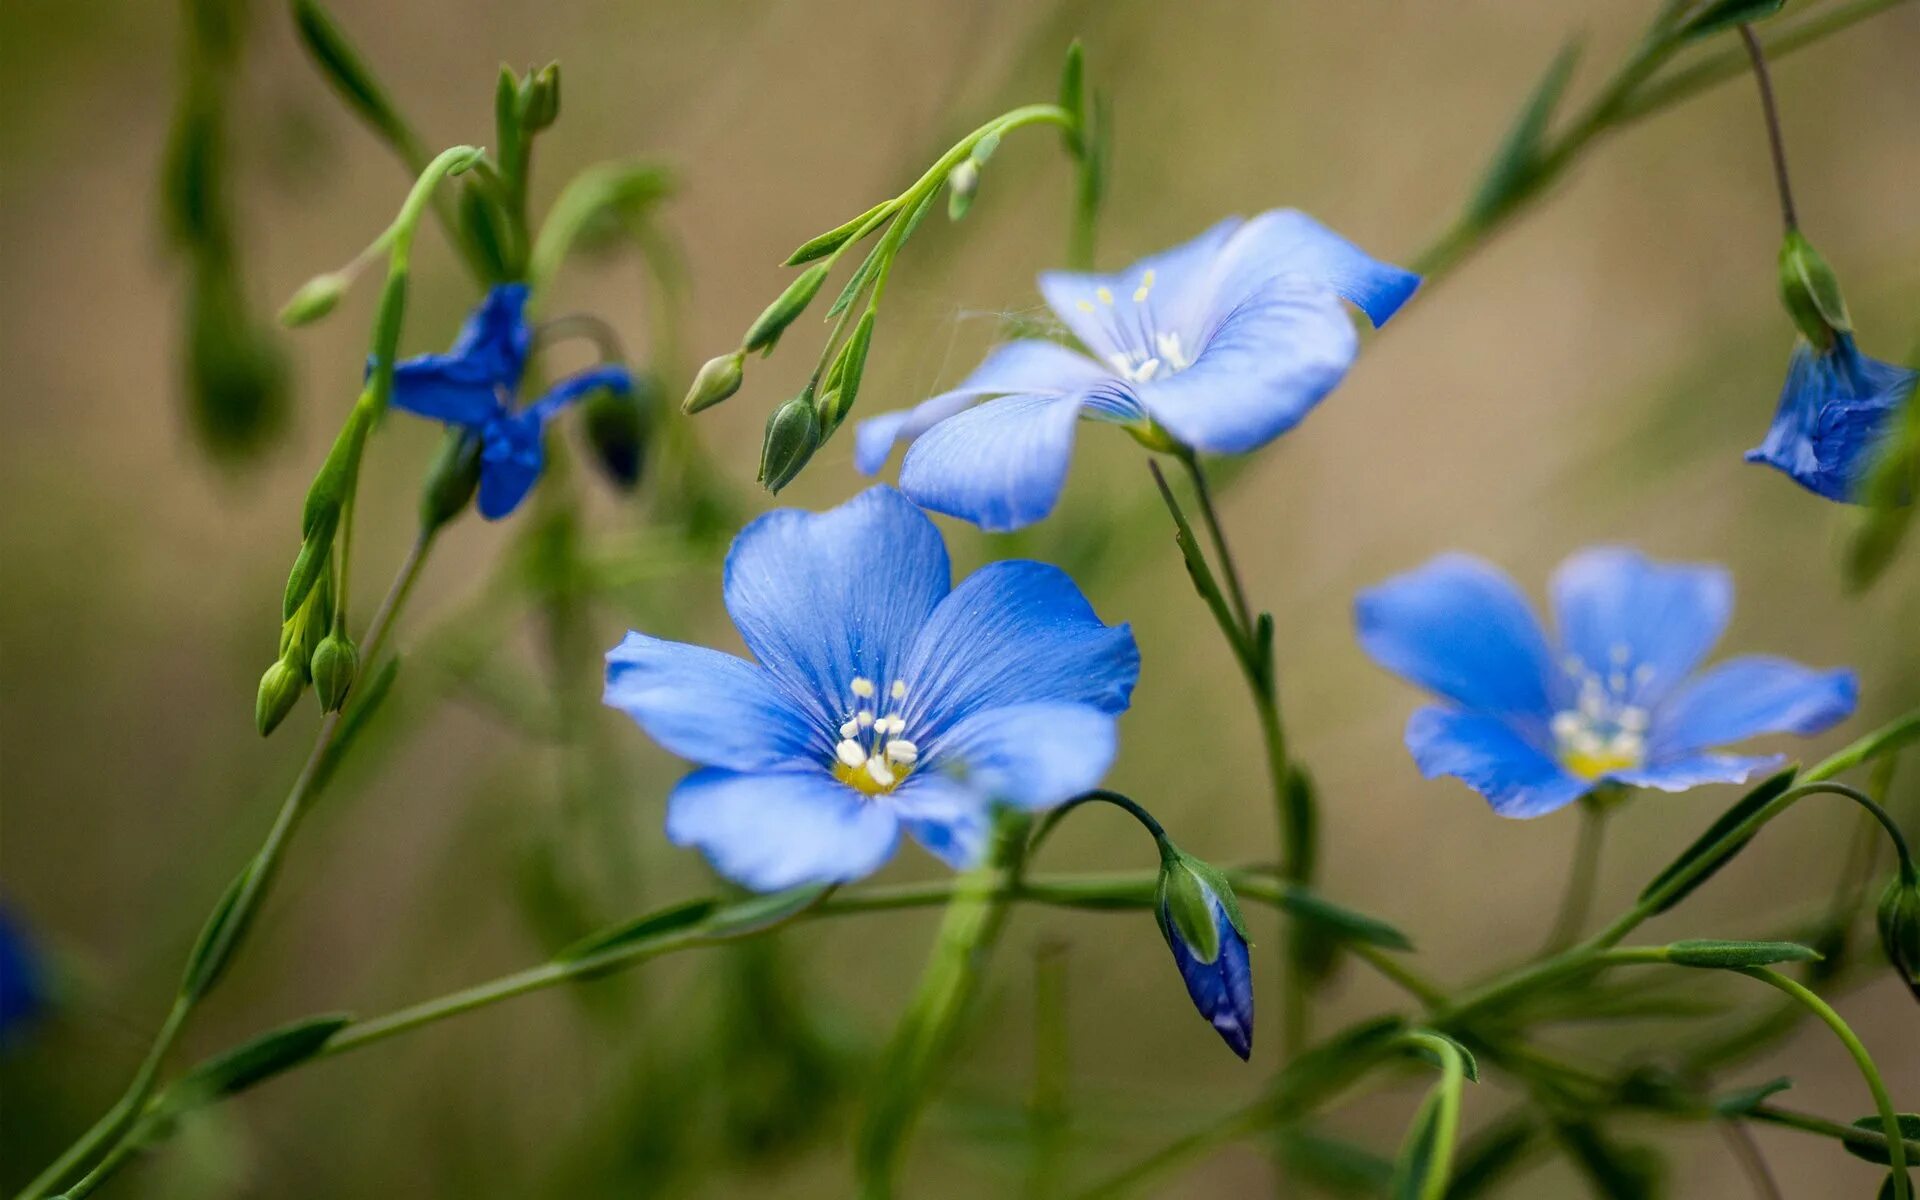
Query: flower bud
[[962, 182], [793, 434], [1899, 921], [315, 299], [540, 98], [1200, 918], [452, 480], [717, 380], [766, 330], [335, 662], [280, 688], [1811, 292], [616, 426]]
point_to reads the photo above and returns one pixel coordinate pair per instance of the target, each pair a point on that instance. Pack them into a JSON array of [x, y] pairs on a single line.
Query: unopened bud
[[540, 98], [844, 377], [452, 479], [315, 299], [962, 182], [768, 327], [334, 665], [1811, 292], [717, 380], [1200, 918], [280, 688], [793, 433], [1899, 921], [616, 425]]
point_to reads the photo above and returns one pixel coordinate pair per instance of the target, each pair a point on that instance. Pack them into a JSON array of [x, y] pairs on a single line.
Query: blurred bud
[[1200, 918], [280, 688], [236, 375], [315, 557], [766, 330], [717, 380], [962, 182], [1899, 921], [452, 480], [616, 425], [315, 299], [793, 433], [540, 98], [1811, 292], [844, 377], [335, 663]]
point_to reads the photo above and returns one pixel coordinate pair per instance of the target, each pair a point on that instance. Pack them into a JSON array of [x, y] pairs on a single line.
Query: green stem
[[1577, 902], [1851, 1134], [1445, 1098], [1770, 113]]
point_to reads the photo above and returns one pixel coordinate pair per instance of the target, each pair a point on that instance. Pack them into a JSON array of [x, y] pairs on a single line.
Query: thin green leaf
[[1740, 1103], [639, 930], [351, 78], [833, 239], [1751, 803], [762, 912], [1716, 15], [214, 946], [1876, 1151], [249, 1063], [1344, 922], [1732, 955], [1429, 1055], [1413, 1170], [1514, 168]]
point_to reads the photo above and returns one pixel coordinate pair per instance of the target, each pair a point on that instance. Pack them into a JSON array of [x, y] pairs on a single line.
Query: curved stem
[[1770, 111], [1102, 795], [1578, 898], [1445, 1098]]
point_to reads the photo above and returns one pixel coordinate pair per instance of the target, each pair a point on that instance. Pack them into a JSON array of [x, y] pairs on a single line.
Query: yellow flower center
[[1605, 731], [872, 757]]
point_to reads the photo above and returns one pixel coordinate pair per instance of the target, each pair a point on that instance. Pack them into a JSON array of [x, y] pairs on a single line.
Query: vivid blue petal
[[1286, 243], [496, 336], [780, 830], [1693, 770], [821, 598], [1000, 465], [1489, 756], [1222, 990], [20, 983], [952, 820], [1103, 313], [1832, 414], [613, 378], [713, 708], [1030, 368], [1458, 627], [1260, 371], [445, 387], [1015, 632], [1028, 755], [1748, 696], [1648, 623], [511, 457]]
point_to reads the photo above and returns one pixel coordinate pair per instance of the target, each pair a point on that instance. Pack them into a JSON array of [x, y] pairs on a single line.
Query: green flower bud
[[315, 299], [1899, 921], [962, 183], [793, 434], [1811, 292], [616, 427], [452, 480], [333, 666], [844, 377], [766, 330], [540, 98], [280, 688], [717, 380]]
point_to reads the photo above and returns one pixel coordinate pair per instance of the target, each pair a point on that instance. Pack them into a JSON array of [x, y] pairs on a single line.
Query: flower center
[[1605, 731], [872, 757], [1148, 353]]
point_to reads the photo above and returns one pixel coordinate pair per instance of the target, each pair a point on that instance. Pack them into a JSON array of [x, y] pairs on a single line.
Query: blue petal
[[1489, 756], [496, 336], [1030, 368], [713, 708], [1258, 373], [1746, 697], [1015, 632], [613, 378], [953, 821], [1833, 411], [1648, 623], [1458, 627], [445, 387], [511, 458], [1028, 755], [1222, 990], [1103, 313], [1000, 465], [821, 598], [1692, 770], [21, 997], [780, 830], [1288, 244]]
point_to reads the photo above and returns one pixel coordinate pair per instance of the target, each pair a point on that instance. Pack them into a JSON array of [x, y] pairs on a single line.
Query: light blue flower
[[1221, 344], [1836, 405], [473, 387], [883, 698], [1534, 725]]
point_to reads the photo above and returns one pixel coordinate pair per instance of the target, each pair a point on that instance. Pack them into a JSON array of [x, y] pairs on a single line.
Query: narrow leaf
[[1876, 1151], [1513, 170], [1429, 1055], [833, 239], [1745, 807], [1744, 1101], [639, 931], [1716, 15], [1342, 921], [218, 936], [761, 912], [1712, 952], [349, 75], [247, 1064], [1414, 1168]]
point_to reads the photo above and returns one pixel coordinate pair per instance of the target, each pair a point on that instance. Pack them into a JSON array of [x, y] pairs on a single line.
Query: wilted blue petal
[[1833, 411], [496, 336], [780, 830], [511, 457], [1692, 770], [1222, 990], [613, 378], [1458, 627], [1288, 244], [1000, 465], [1491, 757], [1745, 697], [1016, 633], [1027, 755], [1174, 290], [713, 708], [822, 598], [953, 821], [1648, 623], [473, 382]]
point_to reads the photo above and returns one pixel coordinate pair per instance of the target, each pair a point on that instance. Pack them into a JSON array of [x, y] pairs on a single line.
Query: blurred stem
[[1577, 902], [1445, 1098], [1770, 112], [1047, 1111], [1747, 1152], [1788, 1118]]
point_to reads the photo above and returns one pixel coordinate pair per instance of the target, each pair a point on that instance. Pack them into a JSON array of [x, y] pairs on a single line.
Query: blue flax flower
[[1833, 411], [1221, 344], [1220, 984], [1533, 726], [883, 697], [21, 996], [473, 387]]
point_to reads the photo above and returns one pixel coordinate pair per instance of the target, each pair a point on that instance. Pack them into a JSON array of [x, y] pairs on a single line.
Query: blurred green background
[[1592, 376]]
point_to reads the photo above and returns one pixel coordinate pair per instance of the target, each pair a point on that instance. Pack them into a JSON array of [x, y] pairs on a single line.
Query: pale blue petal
[[1103, 313], [1635, 621], [1288, 244], [511, 457], [1693, 770], [1000, 465], [1748, 696], [1258, 373], [823, 598], [1012, 633], [1031, 756], [713, 708], [1490, 757], [780, 830], [950, 819], [1460, 628]]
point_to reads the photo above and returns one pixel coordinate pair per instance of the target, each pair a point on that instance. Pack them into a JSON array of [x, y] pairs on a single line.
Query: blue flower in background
[[1219, 978], [882, 697], [1533, 726], [1221, 344], [473, 386], [20, 987], [1833, 410]]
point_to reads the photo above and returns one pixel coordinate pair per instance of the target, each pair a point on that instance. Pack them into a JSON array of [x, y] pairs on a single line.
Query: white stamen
[[902, 751], [865, 717], [1103, 295], [1620, 653], [1633, 719], [877, 768], [1617, 682], [1146, 285], [862, 686], [850, 730], [850, 753], [899, 689], [1643, 673]]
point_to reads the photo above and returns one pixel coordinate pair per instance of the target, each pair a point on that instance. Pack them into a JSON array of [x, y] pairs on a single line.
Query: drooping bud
[[540, 98], [1899, 921], [768, 327], [335, 663], [452, 480], [717, 380], [1200, 918], [1811, 292], [280, 688], [315, 299], [616, 426], [793, 434]]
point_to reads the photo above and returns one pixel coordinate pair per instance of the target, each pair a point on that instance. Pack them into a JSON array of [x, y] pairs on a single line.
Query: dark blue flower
[[474, 386], [1219, 976], [882, 697], [20, 984], [1221, 344], [1533, 726], [1836, 405]]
